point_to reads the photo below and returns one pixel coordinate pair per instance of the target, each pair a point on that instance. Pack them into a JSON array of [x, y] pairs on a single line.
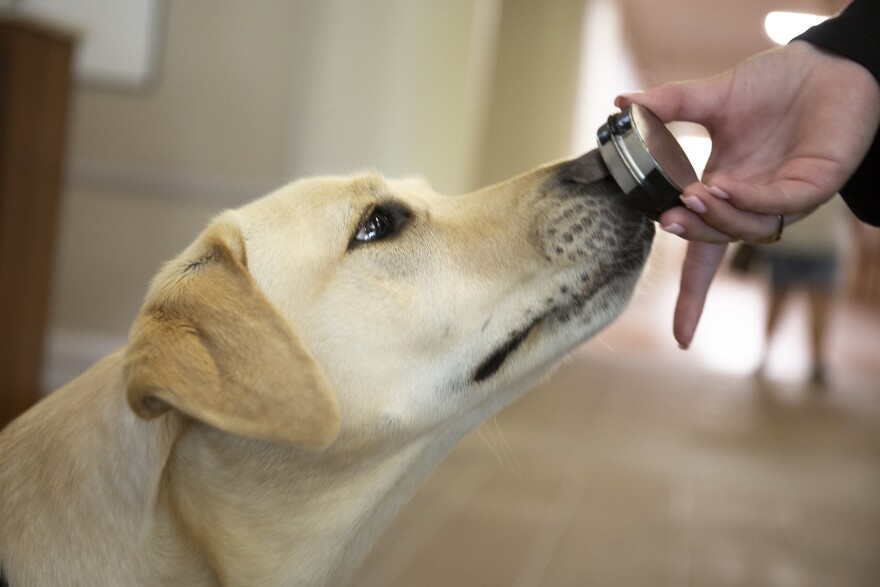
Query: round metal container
[[645, 160]]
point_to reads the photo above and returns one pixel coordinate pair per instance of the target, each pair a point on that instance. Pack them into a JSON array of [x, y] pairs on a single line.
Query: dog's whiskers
[[505, 450], [499, 447]]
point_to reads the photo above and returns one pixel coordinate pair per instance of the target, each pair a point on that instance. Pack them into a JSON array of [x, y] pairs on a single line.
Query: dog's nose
[[590, 178]]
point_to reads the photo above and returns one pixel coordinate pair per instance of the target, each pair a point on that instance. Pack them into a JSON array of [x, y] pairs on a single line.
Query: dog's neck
[[116, 462], [276, 511], [264, 513]]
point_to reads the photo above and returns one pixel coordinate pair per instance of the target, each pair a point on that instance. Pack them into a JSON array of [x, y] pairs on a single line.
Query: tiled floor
[[638, 464]]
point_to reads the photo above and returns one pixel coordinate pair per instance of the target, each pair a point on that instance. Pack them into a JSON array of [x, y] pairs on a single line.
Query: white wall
[[397, 85], [535, 80], [607, 69]]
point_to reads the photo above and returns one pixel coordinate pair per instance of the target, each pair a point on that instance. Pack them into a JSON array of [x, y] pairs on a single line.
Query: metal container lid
[[645, 160]]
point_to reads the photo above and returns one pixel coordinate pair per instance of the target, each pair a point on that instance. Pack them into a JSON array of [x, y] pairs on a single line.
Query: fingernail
[[718, 192], [674, 228], [629, 96], [683, 346], [694, 204]]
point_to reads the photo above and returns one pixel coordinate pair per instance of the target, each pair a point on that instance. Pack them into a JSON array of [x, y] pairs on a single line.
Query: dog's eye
[[385, 220], [377, 226]]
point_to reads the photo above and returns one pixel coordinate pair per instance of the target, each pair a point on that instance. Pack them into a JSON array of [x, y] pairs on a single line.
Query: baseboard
[[70, 352]]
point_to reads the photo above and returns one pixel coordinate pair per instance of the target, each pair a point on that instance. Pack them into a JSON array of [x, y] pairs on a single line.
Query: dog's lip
[[493, 363], [622, 268]]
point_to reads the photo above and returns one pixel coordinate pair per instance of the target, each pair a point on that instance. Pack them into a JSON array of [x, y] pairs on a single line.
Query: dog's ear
[[209, 343]]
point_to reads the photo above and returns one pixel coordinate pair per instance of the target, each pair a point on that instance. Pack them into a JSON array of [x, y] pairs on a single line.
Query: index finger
[[700, 265]]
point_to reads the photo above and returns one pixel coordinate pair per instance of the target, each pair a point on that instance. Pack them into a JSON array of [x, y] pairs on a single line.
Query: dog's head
[[382, 305]]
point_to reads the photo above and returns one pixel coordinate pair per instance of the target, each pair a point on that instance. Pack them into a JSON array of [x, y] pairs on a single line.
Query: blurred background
[[747, 460]]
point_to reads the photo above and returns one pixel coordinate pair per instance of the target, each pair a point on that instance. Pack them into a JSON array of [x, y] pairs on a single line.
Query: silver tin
[[645, 160]]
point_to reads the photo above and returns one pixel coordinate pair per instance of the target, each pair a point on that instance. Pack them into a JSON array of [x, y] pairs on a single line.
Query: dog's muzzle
[[601, 215]]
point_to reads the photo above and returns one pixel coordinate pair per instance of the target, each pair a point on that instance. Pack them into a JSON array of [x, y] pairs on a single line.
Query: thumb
[[691, 101]]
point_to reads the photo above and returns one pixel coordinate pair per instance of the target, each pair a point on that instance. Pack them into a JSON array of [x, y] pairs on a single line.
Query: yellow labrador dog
[[300, 368]]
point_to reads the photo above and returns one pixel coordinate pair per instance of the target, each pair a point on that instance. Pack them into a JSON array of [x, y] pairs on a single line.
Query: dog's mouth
[[494, 361], [565, 310]]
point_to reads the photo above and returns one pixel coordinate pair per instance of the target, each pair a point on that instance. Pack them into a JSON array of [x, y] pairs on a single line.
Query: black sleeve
[[855, 34]]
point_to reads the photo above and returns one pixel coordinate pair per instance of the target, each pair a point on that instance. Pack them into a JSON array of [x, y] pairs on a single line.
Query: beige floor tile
[[637, 464]]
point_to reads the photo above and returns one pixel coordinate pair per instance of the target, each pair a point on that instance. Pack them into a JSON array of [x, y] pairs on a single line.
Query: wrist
[[825, 60]]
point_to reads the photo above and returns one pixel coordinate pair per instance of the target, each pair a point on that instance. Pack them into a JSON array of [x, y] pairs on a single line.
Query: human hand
[[788, 128]]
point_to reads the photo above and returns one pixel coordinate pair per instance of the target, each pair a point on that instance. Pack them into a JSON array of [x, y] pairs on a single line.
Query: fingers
[[687, 224], [700, 265], [784, 197], [709, 216], [710, 222]]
